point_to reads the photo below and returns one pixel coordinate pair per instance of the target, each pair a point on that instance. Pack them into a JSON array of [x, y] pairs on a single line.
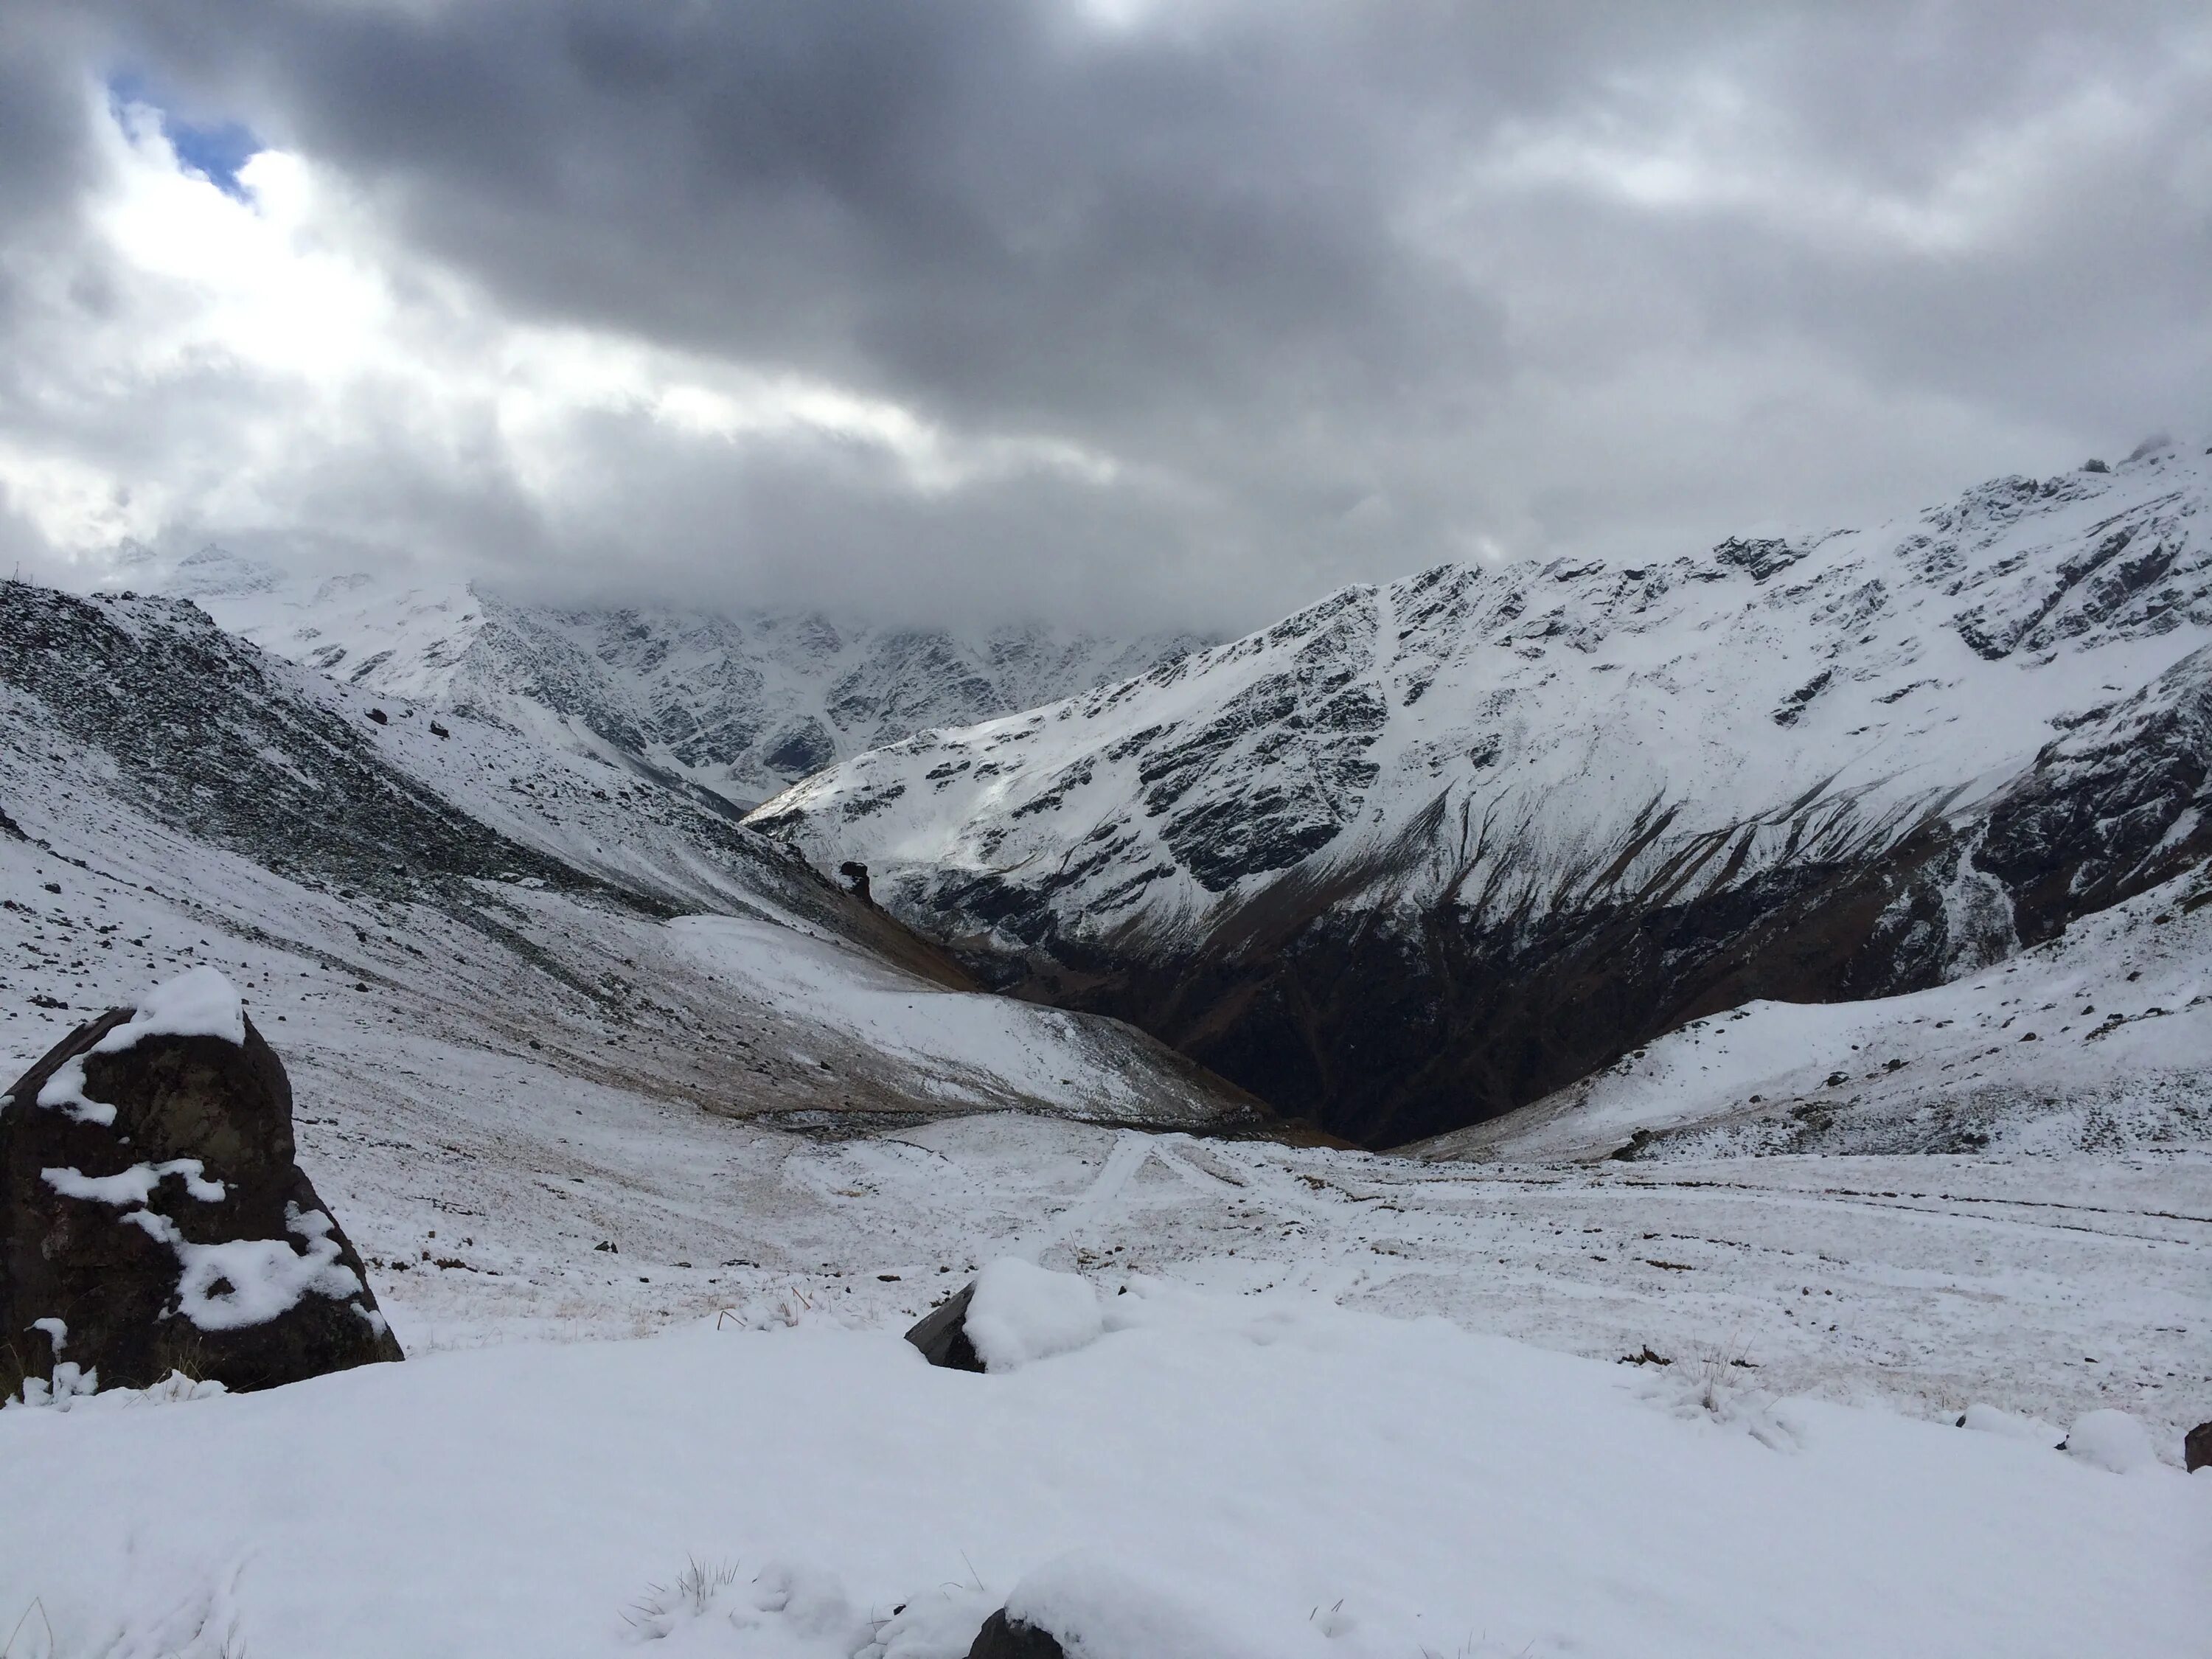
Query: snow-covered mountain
[[172, 796], [742, 703], [1422, 854]]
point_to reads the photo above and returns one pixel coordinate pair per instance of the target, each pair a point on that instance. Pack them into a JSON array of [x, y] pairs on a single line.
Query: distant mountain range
[[1423, 854], [743, 703]]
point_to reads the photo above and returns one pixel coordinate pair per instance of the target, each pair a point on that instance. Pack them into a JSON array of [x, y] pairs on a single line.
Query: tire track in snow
[[1130, 1150]]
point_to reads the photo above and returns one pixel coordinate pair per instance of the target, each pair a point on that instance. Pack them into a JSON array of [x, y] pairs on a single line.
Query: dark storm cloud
[[994, 205], [1338, 289]]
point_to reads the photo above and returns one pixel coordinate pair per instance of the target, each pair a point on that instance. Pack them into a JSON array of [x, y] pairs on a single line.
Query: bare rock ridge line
[[153, 1218], [1421, 854]]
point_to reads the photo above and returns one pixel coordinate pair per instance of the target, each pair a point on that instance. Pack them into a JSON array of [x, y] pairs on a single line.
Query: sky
[[1127, 313]]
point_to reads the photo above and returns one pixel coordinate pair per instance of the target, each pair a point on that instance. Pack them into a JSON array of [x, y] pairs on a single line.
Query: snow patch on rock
[[2014, 1426], [198, 1002], [135, 1184], [1097, 1608], [1022, 1312]]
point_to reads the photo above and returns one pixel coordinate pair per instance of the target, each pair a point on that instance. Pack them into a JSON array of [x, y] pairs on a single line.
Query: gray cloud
[[1315, 292]]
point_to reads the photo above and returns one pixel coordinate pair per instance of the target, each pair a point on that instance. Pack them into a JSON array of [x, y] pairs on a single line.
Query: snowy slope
[[174, 796], [2101, 1038], [823, 1494], [743, 703], [1421, 853]]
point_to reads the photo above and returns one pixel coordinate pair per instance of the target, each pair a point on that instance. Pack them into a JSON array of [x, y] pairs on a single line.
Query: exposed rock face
[[1422, 854], [1002, 1637], [153, 1217], [2196, 1449], [942, 1334]]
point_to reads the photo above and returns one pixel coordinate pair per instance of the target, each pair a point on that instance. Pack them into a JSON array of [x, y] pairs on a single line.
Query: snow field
[[1221, 1475]]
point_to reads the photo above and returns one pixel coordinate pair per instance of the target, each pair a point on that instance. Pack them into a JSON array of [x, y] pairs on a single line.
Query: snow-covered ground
[[1348, 1404], [1230, 1468]]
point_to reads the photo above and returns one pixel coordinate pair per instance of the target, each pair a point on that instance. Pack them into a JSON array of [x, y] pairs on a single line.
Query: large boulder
[[2197, 1448], [942, 1333], [152, 1217], [1012, 1313]]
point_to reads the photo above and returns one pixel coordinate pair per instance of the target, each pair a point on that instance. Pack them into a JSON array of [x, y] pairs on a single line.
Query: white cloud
[[199, 362]]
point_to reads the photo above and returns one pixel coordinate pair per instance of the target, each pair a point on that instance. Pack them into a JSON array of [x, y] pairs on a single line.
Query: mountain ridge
[[742, 702], [1423, 851]]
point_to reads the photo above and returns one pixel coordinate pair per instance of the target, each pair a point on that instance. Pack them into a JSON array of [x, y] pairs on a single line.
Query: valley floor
[[710, 1436], [2050, 1285]]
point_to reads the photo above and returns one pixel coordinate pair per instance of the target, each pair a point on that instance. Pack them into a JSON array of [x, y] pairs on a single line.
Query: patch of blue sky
[[215, 150]]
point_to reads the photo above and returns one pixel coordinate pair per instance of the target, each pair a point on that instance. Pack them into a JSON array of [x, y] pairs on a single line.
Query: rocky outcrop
[[942, 1334], [2196, 1449], [153, 1217], [1002, 1637]]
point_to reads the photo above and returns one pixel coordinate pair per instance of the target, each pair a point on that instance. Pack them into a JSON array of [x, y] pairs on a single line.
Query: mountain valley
[[1425, 853]]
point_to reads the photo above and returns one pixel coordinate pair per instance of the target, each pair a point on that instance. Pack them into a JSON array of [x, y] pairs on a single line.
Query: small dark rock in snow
[[379, 717], [1002, 1637], [942, 1336], [11, 829], [438, 731], [1628, 1153], [2197, 1448], [153, 1219]]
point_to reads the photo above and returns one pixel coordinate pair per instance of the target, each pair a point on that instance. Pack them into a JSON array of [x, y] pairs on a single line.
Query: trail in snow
[[1082, 1217]]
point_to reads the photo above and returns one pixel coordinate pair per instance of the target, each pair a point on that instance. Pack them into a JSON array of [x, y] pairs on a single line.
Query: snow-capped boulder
[[152, 1217], [1084, 1605], [1012, 1313], [2014, 1426]]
